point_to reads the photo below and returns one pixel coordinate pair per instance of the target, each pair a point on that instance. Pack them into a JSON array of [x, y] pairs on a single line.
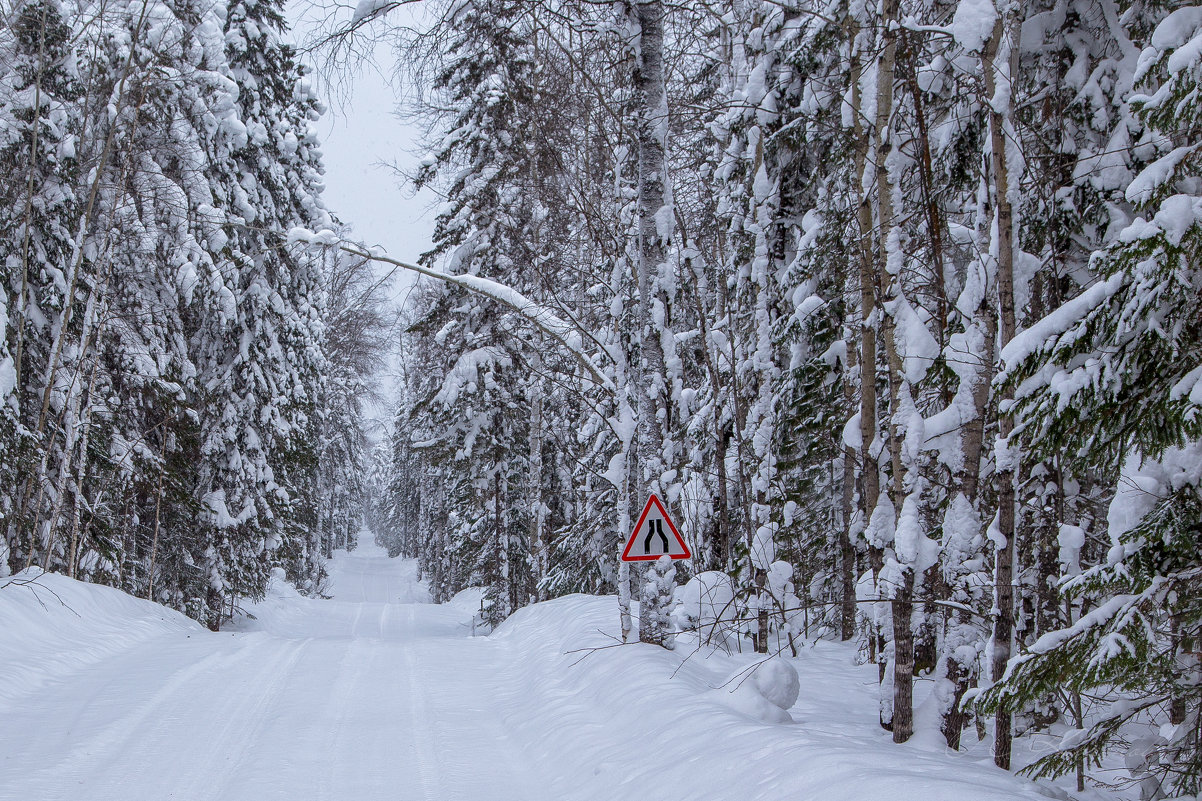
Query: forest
[[897, 306], [181, 393]]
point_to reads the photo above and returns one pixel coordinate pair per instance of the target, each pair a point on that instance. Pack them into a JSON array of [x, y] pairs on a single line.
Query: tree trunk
[[903, 660], [58, 341], [80, 476], [901, 606], [36, 128], [624, 530], [534, 498], [847, 553], [721, 542], [158, 508], [506, 580], [870, 486], [655, 222], [1003, 625]]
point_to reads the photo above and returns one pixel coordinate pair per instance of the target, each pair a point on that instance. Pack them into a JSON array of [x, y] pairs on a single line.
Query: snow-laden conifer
[[1111, 377]]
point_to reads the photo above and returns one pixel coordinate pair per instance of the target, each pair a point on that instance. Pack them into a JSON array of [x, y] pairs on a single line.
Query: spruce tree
[[39, 127], [1112, 377], [260, 356]]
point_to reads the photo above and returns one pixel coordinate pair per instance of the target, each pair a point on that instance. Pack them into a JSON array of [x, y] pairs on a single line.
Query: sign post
[[655, 539]]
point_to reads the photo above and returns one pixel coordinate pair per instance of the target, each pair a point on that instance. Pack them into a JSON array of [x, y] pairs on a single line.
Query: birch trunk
[[81, 474], [870, 486], [84, 225], [901, 605], [847, 553], [624, 524], [997, 64], [655, 230], [980, 335]]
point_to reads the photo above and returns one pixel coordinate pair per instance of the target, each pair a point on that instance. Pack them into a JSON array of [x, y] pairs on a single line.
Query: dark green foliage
[[1139, 645]]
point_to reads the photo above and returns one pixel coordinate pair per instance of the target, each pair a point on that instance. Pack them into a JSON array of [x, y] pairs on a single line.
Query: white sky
[[363, 141]]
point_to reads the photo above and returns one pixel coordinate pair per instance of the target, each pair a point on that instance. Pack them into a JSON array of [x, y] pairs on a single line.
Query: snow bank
[[469, 599], [636, 721], [397, 694], [52, 627]]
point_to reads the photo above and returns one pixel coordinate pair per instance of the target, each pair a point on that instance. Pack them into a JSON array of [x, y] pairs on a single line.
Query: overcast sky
[[363, 139]]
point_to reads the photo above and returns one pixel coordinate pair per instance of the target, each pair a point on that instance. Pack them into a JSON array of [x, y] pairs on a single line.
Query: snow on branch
[[543, 318]]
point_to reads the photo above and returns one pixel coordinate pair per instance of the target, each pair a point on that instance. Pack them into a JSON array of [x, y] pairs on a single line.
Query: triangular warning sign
[[654, 536]]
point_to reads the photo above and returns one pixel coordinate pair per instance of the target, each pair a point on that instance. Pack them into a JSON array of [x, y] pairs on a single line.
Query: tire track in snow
[[215, 715], [99, 754], [387, 702], [517, 763], [463, 747], [349, 683], [427, 765], [243, 731], [469, 724]]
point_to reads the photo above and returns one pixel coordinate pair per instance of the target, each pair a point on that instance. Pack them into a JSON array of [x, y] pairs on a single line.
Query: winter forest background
[[898, 306]]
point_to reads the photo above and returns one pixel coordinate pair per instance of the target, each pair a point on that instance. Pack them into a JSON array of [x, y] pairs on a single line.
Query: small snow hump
[[777, 681]]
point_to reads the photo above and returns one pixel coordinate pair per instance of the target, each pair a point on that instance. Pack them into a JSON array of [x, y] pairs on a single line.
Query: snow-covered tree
[[1111, 377], [166, 352]]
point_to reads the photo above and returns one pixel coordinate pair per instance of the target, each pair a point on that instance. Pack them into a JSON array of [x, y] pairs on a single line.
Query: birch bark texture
[[655, 226]]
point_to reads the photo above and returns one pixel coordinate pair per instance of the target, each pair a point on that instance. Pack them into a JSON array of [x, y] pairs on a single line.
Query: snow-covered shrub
[[706, 605]]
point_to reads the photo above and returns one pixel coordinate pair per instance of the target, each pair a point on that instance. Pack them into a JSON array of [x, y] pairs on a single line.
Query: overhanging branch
[[566, 334]]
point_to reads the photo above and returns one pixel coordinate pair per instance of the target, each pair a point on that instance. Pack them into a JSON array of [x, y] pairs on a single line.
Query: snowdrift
[[52, 627], [636, 721], [551, 694]]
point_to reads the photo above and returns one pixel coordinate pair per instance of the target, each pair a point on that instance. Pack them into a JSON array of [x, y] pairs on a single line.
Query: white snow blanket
[[378, 695]]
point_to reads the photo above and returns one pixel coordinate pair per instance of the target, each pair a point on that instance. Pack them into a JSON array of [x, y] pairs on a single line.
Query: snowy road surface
[[378, 695], [372, 695]]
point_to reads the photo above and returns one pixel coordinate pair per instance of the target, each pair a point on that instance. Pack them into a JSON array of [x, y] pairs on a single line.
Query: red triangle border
[[654, 499]]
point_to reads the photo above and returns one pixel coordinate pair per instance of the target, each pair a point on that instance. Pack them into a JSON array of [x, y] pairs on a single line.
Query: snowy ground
[[378, 695]]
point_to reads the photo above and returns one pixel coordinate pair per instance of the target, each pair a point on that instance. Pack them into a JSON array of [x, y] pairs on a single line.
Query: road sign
[[654, 536]]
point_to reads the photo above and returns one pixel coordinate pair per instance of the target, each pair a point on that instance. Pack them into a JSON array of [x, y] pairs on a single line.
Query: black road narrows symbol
[[655, 527]]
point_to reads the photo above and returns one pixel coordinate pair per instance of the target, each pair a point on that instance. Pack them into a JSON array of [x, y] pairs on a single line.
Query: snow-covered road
[[351, 699], [378, 694]]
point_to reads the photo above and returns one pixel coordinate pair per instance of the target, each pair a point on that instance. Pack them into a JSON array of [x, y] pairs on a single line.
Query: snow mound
[[777, 681], [52, 627], [469, 599], [764, 692], [705, 605], [746, 699], [279, 587]]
